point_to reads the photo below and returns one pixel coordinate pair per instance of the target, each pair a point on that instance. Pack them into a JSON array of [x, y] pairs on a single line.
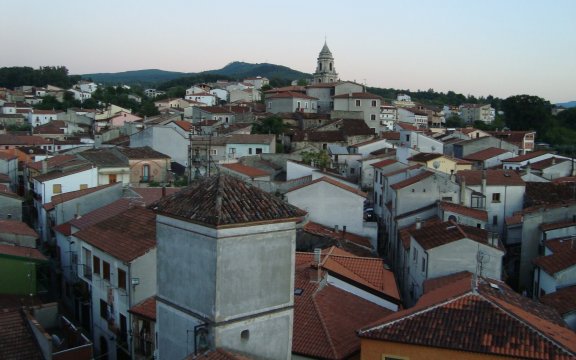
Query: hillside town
[[362, 229]]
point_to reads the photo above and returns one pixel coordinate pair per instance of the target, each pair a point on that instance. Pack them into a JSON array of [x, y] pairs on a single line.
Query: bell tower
[[325, 70]]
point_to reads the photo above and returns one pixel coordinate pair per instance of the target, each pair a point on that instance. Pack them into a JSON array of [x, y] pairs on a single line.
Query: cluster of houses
[[364, 237]]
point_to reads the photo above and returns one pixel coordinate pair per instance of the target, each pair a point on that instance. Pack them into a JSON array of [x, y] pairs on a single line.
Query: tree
[[567, 118], [454, 121], [319, 159], [526, 112], [148, 108], [269, 125]]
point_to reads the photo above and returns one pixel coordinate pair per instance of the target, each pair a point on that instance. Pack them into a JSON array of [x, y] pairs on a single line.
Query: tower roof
[[223, 200], [325, 51]]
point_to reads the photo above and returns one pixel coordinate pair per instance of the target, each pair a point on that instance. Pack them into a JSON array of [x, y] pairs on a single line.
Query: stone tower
[[225, 262], [325, 70]]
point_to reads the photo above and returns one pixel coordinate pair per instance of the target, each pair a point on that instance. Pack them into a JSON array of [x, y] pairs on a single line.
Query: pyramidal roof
[[325, 51], [222, 200]]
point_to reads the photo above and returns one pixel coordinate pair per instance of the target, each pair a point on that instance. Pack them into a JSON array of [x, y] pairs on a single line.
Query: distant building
[[325, 70]]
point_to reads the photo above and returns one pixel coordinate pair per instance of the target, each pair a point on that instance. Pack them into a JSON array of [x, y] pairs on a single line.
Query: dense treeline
[[11, 77]]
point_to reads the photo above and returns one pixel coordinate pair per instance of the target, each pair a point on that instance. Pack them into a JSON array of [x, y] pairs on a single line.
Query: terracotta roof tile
[[485, 154], [412, 180], [390, 135], [514, 219], [546, 163], [289, 94], [440, 234], [358, 95], [62, 198], [23, 140], [145, 152], [22, 251], [561, 244], [331, 182], [556, 225], [326, 317], [493, 320], [563, 300], [424, 157], [249, 171], [58, 173], [493, 177], [126, 236], [103, 158], [464, 210], [527, 156], [223, 200], [52, 162], [347, 237], [384, 163], [146, 308], [16, 340], [17, 228], [556, 262], [185, 125]]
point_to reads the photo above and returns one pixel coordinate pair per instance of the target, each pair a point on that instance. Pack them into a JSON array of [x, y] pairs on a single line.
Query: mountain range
[[235, 70], [569, 104]]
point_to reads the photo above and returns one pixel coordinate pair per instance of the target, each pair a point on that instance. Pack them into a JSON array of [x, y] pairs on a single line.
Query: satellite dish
[[436, 164]]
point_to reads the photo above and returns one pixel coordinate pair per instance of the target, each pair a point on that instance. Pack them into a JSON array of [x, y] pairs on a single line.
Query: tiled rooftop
[[412, 180], [485, 154], [493, 177], [492, 320], [249, 171], [126, 236], [145, 152], [446, 232], [556, 262], [333, 182], [103, 158], [146, 308], [326, 317], [464, 210], [17, 228], [22, 251], [527, 156], [424, 157], [358, 95], [61, 198], [223, 200], [339, 235], [563, 300], [16, 340]]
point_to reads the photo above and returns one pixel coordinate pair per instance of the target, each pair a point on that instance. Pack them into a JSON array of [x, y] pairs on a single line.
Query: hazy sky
[[498, 47]]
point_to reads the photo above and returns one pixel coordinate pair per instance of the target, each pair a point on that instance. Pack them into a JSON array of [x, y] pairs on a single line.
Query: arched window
[[330, 66], [145, 173]]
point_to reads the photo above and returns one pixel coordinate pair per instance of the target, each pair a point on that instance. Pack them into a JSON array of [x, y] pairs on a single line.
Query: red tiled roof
[[126, 236], [331, 182], [16, 340], [563, 300], [145, 152], [464, 210], [412, 180], [485, 154], [64, 229], [406, 126], [348, 237], [56, 173], [561, 244], [146, 308], [322, 136], [546, 163], [16, 227], [223, 200], [217, 354], [556, 262], [424, 157], [439, 234], [22, 140], [52, 162], [492, 320], [527, 156], [185, 125], [383, 163], [62, 198], [289, 94], [493, 177], [358, 95], [390, 135], [326, 317], [556, 225], [249, 171], [7, 156], [22, 251]]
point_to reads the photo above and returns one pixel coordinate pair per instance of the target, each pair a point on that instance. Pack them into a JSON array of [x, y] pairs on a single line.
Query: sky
[[490, 47]]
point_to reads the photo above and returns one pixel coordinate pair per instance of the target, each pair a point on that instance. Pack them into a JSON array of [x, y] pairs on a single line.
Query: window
[[57, 188], [122, 279], [306, 105], [358, 103], [250, 151], [352, 170], [298, 105], [83, 186], [415, 254], [96, 264], [372, 117], [232, 150], [213, 152], [123, 329], [269, 105], [258, 150], [496, 197], [373, 103], [87, 268], [105, 270], [146, 173], [407, 138], [423, 264], [103, 309], [495, 220]]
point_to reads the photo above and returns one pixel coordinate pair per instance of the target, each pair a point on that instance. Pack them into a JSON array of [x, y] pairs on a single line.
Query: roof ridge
[[323, 323], [419, 312]]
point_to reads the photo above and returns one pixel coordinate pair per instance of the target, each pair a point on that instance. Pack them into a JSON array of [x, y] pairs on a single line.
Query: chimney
[[418, 223], [317, 261], [452, 176], [528, 168], [44, 166], [553, 160], [335, 228]]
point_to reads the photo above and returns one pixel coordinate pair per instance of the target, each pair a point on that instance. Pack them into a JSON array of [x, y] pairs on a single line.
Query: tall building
[[225, 270], [325, 70]]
